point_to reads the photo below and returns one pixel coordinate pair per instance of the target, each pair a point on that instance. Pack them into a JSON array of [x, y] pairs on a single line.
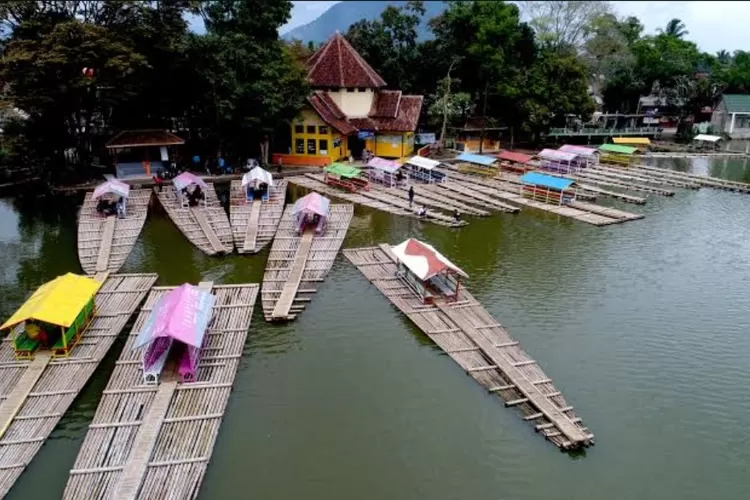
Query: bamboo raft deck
[[297, 263], [429, 200], [315, 184], [254, 224], [592, 177], [104, 243], [481, 346], [37, 393], [155, 441], [206, 227], [581, 211], [625, 174], [712, 182]]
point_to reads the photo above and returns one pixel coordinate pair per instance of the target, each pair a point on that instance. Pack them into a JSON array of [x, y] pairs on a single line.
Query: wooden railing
[[604, 131]]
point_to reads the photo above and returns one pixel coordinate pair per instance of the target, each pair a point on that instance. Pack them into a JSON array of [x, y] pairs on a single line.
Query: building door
[[356, 146]]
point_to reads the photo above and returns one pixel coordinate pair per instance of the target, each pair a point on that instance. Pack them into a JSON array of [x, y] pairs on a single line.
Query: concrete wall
[[355, 103]]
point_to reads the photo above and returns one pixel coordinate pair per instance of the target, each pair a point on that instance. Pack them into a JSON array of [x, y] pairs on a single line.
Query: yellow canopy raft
[[66, 302]]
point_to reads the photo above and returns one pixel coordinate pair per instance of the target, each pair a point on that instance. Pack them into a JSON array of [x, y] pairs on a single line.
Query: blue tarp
[[478, 159], [548, 181]]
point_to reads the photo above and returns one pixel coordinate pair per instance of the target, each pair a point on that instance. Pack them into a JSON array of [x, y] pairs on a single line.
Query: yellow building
[[349, 111]]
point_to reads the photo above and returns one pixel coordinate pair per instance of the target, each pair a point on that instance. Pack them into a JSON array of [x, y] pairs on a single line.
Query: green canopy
[[343, 171], [616, 148]]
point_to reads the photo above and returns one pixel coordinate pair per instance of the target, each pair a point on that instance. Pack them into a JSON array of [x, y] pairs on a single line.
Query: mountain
[[344, 14]]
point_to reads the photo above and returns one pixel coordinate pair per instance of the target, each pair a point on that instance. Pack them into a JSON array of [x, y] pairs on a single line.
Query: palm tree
[[675, 28], [723, 57]]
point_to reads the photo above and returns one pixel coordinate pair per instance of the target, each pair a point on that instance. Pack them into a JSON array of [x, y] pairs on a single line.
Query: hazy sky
[[712, 25]]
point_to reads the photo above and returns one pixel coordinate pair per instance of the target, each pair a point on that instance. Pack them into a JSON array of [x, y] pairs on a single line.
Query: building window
[[311, 146], [323, 146], [361, 89], [323, 130], [350, 90], [311, 129], [299, 146], [299, 128]]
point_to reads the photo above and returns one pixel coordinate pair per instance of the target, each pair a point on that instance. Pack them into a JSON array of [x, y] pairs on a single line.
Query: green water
[[643, 326]]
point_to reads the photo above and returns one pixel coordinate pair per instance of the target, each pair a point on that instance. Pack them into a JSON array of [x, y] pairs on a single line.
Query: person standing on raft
[[411, 195]]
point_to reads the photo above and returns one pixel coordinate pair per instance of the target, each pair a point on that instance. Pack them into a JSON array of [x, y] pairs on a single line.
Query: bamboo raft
[[592, 177], [429, 200], [37, 393], [581, 211], [712, 182], [626, 174], [207, 227], [374, 202], [155, 441], [297, 263], [104, 243], [481, 346], [254, 224]]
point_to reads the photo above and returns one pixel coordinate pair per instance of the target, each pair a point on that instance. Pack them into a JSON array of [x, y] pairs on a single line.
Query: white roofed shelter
[[423, 169], [426, 271], [705, 141]]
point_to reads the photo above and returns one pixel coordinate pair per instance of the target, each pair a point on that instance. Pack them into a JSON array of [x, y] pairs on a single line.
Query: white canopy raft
[[255, 208], [109, 222], [194, 207], [426, 271], [423, 169]]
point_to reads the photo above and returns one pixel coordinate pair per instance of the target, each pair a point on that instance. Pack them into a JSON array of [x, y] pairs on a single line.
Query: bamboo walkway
[[286, 276], [104, 243], [254, 224], [384, 203], [482, 347], [155, 441], [590, 213], [206, 227], [37, 393], [630, 175], [429, 200], [592, 177]]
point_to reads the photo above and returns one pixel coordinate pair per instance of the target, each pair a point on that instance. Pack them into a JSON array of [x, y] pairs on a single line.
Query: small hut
[[515, 162], [618, 154], [185, 185], [423, 169], [589, 155], [54, 317], [112, 193], [559, 161], [705, 142], [257, 183], [386, 172], [477, 164], [548, 188], [142, 153], [176, 325], [311, 211], [346, 177], [427, 272]]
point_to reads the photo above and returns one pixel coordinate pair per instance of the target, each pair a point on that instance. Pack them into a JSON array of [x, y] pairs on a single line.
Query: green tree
[[675, 28]]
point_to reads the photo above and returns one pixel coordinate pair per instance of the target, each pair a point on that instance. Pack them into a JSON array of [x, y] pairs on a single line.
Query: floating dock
[[712, 182], [482, 347], [631, 174], [104, 243], [155, 441], [254, 223], [37, 393], [207, 227], [298, 263], [382, 203]]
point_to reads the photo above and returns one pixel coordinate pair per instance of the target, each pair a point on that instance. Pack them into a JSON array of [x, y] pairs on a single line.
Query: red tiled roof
[[406, 119], [144, 138], [330, 112], [515, 157], [337, 64], [385, 104]]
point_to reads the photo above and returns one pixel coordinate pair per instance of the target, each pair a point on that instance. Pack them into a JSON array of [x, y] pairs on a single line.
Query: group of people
[[107, 207], [422, 211]]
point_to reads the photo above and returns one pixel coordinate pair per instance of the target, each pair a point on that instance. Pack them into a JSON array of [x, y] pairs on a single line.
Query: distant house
[[657, 112], [350, 111], [732, 116]]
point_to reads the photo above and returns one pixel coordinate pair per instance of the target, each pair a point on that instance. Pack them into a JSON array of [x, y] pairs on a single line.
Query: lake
[[643, 326]]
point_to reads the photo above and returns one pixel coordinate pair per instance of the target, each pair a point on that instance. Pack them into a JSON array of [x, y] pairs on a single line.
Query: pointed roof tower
[[337, 64]]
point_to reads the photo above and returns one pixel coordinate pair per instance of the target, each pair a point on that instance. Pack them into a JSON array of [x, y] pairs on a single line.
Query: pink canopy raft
[[177, 323], [255, 207], [109, 223], [306, 244], [194, 207]]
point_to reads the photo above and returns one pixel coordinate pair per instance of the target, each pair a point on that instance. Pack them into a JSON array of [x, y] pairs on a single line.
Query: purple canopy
[[381, 164], [186, 179], [113, 186], [181, 315], [309, 206]]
